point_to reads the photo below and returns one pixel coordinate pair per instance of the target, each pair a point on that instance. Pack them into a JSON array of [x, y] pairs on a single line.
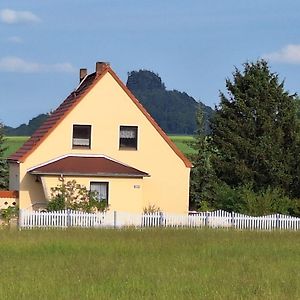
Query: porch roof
[[79, 165]]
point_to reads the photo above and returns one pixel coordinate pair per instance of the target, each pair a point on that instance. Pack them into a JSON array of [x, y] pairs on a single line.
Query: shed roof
[[81, 165]]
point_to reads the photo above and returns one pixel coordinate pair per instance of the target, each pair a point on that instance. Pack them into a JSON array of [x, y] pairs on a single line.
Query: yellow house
[[102, 137]]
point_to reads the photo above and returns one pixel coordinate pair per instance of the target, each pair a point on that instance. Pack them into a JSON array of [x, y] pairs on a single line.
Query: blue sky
[[193, 45]]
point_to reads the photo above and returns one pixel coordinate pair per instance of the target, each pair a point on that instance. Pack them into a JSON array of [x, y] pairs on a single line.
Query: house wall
[[14, 176], [123, 193], [106, 107], [8, 198]]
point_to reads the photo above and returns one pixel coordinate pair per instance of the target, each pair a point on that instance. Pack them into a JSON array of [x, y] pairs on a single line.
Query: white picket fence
[[217, 219]]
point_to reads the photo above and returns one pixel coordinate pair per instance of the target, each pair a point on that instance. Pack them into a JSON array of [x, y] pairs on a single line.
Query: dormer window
[[81, 136], [128, 137]]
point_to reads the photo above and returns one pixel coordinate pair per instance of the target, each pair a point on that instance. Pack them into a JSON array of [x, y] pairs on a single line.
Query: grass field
[[13, 143], [183, 143], [149, 264]]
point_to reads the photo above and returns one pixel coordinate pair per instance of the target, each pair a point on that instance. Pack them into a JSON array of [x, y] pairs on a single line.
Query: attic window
[[128, 137], [81, 136]]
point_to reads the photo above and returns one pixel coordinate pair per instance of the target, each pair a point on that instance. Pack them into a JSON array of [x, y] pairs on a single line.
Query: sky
[[194, 45]]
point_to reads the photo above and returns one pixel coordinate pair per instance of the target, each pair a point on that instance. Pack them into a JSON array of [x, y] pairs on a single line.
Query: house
[[102, 137]]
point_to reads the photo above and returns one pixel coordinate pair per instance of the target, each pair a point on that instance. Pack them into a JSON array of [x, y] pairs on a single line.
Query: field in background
[[183, 142], [13, 143], [149, 264]]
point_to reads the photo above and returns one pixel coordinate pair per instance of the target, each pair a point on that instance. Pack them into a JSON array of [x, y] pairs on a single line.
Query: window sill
[[128, 149], [81, 147]]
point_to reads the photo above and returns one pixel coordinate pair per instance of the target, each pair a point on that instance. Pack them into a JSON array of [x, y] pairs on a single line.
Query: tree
[[256, 132], [202, 175], [3, 162]]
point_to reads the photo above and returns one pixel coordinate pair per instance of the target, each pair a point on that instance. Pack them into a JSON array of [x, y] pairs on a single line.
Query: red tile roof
[[70, 102], [9, 194], [79, 165]]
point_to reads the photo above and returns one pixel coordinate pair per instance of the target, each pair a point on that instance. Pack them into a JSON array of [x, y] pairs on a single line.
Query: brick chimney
[[100, 66], [82, 74]]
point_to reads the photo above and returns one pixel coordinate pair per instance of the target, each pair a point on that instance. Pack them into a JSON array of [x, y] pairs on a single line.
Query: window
[[101, 188], [128, 137], [82, 136]]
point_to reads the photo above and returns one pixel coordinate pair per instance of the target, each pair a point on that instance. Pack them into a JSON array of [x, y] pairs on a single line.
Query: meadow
[[149, 264], [183, 142], [13, 143]]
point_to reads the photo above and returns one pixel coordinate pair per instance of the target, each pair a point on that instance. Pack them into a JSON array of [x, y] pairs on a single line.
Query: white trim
[[80, 83]]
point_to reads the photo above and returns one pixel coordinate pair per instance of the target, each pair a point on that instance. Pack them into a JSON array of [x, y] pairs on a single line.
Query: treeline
[[26, 129], [250, 163]]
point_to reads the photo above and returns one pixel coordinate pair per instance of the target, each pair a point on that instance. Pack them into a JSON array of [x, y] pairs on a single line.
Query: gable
[[85, 91]]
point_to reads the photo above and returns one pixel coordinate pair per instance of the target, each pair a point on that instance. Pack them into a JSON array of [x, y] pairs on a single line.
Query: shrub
[[9, 213], [268, 201], [246, 200], [151, 209], [72, 195]]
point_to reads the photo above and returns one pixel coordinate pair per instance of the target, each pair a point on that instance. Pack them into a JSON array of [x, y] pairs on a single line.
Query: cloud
[[15, 39], [18, 65], [288, 54], [10, 16]]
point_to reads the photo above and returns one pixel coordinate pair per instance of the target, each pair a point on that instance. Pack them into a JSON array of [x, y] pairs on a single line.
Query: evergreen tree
[[202, 175], [3, 163], [256, 132]]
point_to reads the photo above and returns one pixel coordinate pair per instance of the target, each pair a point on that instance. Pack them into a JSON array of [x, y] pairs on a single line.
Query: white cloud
[[15, 39], [10, 16], [19, 65], [288, 54]]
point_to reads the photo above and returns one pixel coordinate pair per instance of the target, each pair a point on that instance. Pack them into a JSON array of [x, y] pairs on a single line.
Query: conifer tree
[[202, 176], [3, 163], [256, 132]]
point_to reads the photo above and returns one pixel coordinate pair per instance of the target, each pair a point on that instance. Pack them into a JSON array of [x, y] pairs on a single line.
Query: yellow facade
[[106, 107]]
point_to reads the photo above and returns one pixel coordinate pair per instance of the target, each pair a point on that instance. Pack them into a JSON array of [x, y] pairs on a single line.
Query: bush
[[9, 213], [265, 202], [71, 195], [246, 200]]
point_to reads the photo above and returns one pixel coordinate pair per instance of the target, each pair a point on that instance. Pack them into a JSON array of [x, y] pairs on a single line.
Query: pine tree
[[256, 132], [3, 163], [202, 175]]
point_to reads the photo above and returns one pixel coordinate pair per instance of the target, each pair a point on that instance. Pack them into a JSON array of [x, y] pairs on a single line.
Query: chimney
[[82, 74], [100, 66]]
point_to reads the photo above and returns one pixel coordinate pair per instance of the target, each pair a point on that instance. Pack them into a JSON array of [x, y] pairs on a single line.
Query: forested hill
[[26, 129], [174, 111]]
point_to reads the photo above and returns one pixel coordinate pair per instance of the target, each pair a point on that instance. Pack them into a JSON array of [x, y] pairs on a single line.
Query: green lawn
[[183, 142], [13, 143], [149, 264]]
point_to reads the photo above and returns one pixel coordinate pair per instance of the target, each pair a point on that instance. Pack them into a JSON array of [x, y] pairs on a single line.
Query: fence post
[[115, 219], [20, 219], [277, 221], [232, 219], [68, 218], [161, 219], [206, 218]]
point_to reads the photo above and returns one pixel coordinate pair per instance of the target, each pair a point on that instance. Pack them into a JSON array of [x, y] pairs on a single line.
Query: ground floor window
[[101, 188]]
